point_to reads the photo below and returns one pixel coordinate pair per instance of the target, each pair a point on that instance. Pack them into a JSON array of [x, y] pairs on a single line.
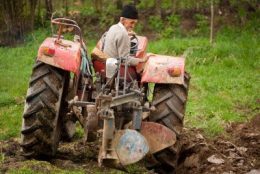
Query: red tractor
[[135, 112]]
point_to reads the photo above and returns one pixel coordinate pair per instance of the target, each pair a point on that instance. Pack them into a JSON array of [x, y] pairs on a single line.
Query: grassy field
[[225, 84]]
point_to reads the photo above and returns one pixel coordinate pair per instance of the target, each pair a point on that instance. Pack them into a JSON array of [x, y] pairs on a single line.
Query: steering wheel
[[133, 45]]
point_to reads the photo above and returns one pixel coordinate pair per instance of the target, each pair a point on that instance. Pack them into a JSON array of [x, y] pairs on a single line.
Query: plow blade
[[130, 146], [158, 136]]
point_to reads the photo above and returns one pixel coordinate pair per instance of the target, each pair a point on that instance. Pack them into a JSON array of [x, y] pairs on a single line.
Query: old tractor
[[133, 112]]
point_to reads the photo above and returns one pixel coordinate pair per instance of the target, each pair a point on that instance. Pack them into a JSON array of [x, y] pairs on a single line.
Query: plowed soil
[[237, 151]]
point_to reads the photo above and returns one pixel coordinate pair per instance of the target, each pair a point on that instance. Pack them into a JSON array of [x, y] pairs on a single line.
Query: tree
[[49, 9], [12, 13]]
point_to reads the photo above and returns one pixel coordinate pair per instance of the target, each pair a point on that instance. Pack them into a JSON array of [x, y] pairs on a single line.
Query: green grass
[[41, 167], [15, 70]]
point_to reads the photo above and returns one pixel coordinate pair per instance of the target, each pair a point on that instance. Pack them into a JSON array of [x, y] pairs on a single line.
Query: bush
[[156, 23], [202, 27]]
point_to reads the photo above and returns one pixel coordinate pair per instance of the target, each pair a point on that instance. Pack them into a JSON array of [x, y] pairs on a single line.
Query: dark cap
[[129, 11]]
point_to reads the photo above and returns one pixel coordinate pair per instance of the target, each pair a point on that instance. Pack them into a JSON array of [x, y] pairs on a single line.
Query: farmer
[[116, 41]]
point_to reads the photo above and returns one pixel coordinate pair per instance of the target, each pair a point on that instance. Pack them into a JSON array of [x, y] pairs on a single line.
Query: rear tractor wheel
[[169, 101], [41, 126]]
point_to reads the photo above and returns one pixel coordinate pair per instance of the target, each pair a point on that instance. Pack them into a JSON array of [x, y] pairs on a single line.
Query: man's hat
[[129, 11]]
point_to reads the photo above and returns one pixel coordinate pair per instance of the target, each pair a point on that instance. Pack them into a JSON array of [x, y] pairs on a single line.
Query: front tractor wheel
[[41, 118], [170, 101]]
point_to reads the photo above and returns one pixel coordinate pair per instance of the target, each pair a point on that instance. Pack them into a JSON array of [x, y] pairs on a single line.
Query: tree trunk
[[119, 4], [33, 4], [98, 5], [225, 6], [13, 17], [66, 7], [174, 6], [211, 22], [49, 9], [39, 17], [157, 6]]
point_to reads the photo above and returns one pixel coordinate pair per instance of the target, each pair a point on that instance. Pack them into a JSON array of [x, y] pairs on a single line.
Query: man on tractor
[[111, 102], [116, 41]]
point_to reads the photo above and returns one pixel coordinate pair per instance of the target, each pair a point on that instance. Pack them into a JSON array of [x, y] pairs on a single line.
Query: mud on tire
[[170, 101], [41, 122]]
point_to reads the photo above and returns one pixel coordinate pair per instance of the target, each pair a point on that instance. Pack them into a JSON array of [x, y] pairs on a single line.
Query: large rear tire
[[169, 101], [41, 124]]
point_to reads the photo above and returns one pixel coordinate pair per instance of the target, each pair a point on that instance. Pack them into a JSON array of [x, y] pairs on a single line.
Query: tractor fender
[[63, 54], [164, 69]]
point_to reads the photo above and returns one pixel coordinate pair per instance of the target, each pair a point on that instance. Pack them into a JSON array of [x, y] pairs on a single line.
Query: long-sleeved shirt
[[117, 42]]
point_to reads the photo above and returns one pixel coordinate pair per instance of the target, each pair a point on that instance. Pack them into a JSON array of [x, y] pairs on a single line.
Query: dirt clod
[[215, 160]]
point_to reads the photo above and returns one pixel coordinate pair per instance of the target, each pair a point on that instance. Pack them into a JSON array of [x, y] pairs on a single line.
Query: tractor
[[131, 112]]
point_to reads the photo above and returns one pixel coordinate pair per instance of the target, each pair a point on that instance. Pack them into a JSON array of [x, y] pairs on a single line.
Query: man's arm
[[123, 47]]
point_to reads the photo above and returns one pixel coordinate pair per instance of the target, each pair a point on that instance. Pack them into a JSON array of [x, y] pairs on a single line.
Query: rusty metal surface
[[107, 150], [157, 66], [65, 57], [106, 101], [158, 136], [92, 118], [130, 146], [137, 118]]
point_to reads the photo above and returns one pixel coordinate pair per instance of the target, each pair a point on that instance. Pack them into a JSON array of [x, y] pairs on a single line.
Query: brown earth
[[238, 151]]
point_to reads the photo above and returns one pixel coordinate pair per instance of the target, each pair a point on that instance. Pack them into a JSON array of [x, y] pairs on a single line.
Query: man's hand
[[147, 56], [131, 33], [135, 61]]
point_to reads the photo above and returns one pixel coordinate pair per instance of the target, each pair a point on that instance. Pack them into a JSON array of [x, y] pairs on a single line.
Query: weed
[[2, 157]]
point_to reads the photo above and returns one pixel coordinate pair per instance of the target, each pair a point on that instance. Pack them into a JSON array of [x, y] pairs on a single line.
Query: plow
[[133, 113]]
